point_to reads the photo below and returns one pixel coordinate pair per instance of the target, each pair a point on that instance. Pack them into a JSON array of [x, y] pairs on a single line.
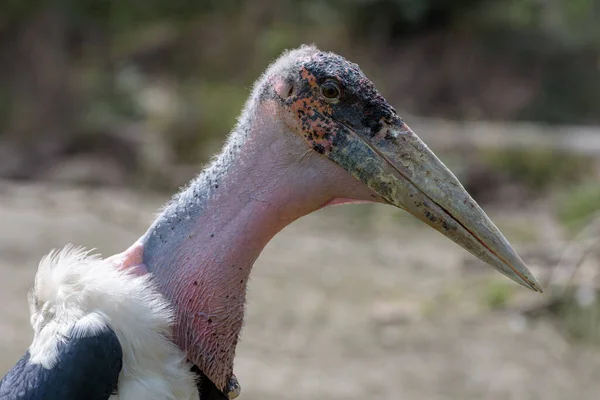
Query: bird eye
[[330, 90]]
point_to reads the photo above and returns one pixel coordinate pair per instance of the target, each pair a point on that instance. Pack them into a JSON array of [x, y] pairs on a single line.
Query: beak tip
[[531, 283], [537, 287], [520, 274]]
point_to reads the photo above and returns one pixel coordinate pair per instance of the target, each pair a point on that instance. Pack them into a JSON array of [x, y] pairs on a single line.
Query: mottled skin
[[314, 132], [323, 121]]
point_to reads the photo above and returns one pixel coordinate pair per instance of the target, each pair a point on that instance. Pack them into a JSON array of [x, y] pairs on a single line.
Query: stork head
[[336, 110]]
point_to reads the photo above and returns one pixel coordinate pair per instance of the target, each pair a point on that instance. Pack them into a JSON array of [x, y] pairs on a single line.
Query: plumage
[[100, 328], [87, 366]]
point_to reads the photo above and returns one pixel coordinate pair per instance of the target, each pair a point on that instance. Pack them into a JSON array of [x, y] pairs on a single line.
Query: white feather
[[83, 292]]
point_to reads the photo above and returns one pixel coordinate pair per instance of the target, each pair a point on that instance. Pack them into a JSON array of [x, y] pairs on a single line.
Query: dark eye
[[330, 90]]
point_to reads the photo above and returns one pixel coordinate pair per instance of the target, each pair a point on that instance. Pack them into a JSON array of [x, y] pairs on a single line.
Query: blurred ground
[[351, 302]]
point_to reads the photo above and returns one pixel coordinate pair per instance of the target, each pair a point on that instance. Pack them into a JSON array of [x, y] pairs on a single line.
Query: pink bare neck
[[201, 249]]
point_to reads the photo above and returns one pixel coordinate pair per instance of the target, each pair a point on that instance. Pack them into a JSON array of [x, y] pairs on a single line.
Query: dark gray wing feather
[[87, 368]]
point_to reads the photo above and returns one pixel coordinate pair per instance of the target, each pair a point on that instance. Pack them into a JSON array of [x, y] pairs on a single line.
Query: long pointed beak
[[400, 168]]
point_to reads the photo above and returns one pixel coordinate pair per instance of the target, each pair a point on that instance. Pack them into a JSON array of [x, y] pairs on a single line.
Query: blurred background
[[107, 107]]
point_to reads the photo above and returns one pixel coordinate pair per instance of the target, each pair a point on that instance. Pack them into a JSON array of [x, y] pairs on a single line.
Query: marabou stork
[[314, 132]]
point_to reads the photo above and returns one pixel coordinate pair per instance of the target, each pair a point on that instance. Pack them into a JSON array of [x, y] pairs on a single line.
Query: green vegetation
[[498, 294], [582, 324], [539, 169], [579, 204], [579, 323]]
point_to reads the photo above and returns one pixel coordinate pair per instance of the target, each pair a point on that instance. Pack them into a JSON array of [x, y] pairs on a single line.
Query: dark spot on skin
[[430, 216], [212, 235], [210, 321], [319, 148], [195, 283]]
